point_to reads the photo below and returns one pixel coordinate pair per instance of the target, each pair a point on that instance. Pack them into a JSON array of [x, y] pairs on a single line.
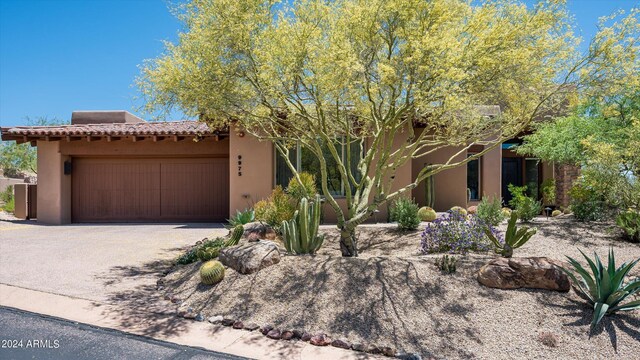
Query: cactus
[[211, 272], [459, 210], [506, 212], [300, 234], [208, 253], [447, 264], [430, 191], [556, 213], [236, 235], [427, 214]]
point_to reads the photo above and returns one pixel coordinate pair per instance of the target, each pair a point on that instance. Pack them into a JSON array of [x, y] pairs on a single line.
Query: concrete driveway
[[92, 261]]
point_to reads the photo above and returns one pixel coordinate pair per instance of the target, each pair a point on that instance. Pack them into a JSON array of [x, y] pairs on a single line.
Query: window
[[531, 169], [473, 178], [304, 160]]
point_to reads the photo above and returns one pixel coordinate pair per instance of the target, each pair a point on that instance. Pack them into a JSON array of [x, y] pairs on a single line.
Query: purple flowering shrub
[[457, 233]]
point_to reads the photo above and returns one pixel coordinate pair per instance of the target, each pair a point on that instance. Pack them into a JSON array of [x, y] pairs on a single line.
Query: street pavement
[[25, 335]]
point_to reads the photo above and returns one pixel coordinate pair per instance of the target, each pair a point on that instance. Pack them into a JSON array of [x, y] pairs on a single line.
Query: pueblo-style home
[[111, 166]]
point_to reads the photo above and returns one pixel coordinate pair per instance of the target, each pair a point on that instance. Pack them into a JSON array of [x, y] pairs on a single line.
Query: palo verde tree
[[356, 74]]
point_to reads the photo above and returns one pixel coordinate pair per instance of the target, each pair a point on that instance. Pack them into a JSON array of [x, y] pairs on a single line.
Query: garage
[[149, 189]]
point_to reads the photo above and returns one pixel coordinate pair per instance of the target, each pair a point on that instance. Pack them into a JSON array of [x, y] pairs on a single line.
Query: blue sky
[[57, 56]]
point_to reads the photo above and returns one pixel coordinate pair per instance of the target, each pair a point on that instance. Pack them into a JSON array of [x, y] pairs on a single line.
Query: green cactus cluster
[[427, 214], [211, 272], [460, 210], [300, 234], [236, 235], [210, 249], [447, 264]]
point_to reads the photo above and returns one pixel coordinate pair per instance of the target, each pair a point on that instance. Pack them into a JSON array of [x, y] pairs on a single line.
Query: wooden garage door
[[150, 190]]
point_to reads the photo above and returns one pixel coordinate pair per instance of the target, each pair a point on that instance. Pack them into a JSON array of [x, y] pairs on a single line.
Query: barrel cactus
[[427, 214], [556, 213], [236, 235], [506, 212], [211, 272], [459, 210]]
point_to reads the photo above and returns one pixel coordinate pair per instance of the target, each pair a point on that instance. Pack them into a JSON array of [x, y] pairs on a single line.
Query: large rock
[[251, 257], [516, 273], [257, 230]]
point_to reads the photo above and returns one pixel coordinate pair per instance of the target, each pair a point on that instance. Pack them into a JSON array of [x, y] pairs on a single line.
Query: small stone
[[215, 319], [160, 282], [340, 343], [320, 340], [227, 322], [199, 317], [160, 288], [388, 351], [274, 334], [358, 347], [167, 296], [372, 349], [297, 334], [175, 299], [251, 326], [306, 336], [287, 335], [238, 325], [405, 356], [188, 314], [548, 339], [266, 328]]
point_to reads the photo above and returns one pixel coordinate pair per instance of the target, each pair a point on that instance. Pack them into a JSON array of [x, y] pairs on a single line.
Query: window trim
[[469, 154]]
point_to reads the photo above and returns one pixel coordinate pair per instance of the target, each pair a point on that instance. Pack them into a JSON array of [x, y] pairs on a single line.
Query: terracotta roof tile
[[117, 129]]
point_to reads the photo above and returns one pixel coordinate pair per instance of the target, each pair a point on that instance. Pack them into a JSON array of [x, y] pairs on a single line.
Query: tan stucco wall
[[54, 188], [257, 168], [492, 173]]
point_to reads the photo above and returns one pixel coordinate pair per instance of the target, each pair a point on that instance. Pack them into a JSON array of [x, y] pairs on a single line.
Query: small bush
[[586, 203], [241, 218], [405, 213], [278, 207], [306, 190], [210, 249], [7, 198], [526, 207], [490, 211], [548, 190], [191, 255], [629, 222], [454, 233], [447, 264]]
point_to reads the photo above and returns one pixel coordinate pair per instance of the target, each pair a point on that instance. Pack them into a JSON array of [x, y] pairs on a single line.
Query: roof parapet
[[104, 117]]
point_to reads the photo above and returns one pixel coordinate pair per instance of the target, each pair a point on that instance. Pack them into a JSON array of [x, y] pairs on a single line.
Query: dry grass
[[392, 295]]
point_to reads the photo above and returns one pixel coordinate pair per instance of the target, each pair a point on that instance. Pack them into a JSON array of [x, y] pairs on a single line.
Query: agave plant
[[513, 238], [241, 218], [604, 287]]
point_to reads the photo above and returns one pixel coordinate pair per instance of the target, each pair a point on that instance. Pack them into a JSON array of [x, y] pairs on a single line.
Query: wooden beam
[[108, 138], [155, 138], [137, 138], [46, 138], [177, 138]]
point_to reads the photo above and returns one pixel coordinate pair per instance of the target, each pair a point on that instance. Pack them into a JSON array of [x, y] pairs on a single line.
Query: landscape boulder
[[532, 272], [258, 230], [251, 257]]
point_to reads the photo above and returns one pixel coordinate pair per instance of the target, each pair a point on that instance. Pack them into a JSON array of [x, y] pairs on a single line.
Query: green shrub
[[306, 190], [278, 207], [427, 214], [490, 211], [241, 218], [6, 197], [300, 234], [525, 206], [405, 213], [211, 272], [629, 222], [548, 190], [604, 287], [447, 264], [513, 238], [586, 203]]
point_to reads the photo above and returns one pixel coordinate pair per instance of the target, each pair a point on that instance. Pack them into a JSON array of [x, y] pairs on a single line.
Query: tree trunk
[[348, 244]]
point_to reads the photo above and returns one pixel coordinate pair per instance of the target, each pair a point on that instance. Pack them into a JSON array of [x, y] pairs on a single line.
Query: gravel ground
[[393, 296]]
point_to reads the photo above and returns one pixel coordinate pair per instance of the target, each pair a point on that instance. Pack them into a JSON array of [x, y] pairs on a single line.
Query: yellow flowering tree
[[329, 75]]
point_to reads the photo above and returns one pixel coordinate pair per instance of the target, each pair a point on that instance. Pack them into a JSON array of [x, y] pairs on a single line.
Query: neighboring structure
[[111, 166]]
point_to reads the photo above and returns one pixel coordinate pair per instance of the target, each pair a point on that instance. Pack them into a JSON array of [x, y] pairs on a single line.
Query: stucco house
[[111, 166]]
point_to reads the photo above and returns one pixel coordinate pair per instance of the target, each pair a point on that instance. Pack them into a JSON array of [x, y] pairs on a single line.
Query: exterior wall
[[6, 182], [257, 169], [54, 188], [491, 182], [20, 200], [566, 175]]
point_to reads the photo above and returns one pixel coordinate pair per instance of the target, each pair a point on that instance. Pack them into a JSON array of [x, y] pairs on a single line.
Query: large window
[[304, 160], [473, 178]]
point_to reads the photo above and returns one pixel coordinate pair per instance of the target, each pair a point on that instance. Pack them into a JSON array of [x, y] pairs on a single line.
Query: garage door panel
[[152, 190]]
